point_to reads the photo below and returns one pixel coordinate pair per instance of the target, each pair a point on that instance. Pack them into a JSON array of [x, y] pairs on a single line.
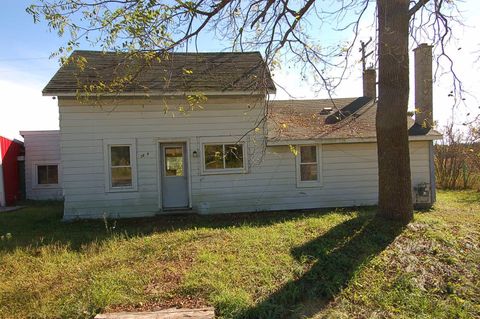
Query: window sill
[[309, 184], [224, 172], [47, 186], [122, 190]]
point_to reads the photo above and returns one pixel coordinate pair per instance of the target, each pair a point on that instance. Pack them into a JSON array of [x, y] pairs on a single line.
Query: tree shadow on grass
[[40, 223], [332, 260]]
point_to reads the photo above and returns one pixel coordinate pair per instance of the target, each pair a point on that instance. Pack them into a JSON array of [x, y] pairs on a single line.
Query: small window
[[308, 166], [223, 157], [308, 163], [120, 166], [47, 174]]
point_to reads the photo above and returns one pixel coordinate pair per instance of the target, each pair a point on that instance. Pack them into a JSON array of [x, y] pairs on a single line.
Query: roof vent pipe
[[423, 86], [326, 111], [370, 83]]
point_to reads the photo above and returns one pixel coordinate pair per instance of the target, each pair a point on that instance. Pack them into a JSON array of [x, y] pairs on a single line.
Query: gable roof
[[176, 72], [351, 118]]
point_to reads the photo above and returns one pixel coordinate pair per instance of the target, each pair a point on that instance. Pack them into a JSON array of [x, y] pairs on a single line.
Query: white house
[[151, 150], [43, 172]]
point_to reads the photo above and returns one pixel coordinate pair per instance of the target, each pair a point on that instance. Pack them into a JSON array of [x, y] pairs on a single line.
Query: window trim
[[35, 174], [220, 171], [107, 144], [315, 183]]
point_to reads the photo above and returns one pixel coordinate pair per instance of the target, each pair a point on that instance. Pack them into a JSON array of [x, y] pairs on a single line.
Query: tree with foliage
[[289, 29]]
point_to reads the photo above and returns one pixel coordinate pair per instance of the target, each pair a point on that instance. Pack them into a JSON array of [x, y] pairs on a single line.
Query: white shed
[[43, 169]]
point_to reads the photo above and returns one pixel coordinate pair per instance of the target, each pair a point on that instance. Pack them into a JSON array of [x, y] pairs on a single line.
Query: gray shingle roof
[[177, 72], [292, 120]]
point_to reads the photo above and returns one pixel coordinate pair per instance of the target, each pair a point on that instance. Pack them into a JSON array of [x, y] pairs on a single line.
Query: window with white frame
[[46, 175], [120, 166], [308, 165], [223, 157]]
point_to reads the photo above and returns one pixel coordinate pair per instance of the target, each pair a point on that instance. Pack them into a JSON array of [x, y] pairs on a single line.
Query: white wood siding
[[349, 179], [349, 170], [41, 147], [84, 127]]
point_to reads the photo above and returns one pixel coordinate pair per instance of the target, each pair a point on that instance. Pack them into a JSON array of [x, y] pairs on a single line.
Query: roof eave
[[271, 142], [165, 93]]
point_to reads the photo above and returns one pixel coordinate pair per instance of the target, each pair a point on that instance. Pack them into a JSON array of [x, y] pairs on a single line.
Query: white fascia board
[[347, 140], [160, 93], [41, 132]]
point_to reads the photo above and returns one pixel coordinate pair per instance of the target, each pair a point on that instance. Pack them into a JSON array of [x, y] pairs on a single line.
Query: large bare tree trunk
[[395, 195]]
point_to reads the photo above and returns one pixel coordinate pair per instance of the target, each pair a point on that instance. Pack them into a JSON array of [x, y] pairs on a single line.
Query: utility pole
[[364, 54]]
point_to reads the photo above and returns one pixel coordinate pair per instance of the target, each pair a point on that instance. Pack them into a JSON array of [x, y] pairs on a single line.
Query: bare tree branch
[[417, 7]]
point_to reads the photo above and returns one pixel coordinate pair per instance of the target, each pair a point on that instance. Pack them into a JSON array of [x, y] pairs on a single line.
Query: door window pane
[[173, 161], [121, 176], [233, 156], [308, 172], [214, 156]]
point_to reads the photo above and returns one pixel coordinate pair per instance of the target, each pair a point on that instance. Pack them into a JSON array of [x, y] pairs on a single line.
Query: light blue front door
[[174, 186]]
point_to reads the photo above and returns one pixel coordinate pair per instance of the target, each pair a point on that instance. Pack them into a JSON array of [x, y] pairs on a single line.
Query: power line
[[36, 70], [23, 59]]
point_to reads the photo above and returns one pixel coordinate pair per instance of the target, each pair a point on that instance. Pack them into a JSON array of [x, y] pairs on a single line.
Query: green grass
[[323, 264]]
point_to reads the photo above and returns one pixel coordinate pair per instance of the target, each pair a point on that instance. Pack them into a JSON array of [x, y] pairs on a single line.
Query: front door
[[174, 176]]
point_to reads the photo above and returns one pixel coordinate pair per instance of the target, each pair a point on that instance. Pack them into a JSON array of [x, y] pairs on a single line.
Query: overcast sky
[[25, 68]]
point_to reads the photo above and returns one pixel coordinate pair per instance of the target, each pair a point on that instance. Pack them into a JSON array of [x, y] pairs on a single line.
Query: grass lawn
[[324, 264]]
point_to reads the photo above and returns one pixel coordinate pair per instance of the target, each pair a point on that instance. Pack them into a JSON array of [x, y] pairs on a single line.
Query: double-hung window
[[120, 166], [224, 158], [309, 165]]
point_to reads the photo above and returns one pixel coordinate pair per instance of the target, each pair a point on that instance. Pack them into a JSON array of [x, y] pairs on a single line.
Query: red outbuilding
[[10, 171]]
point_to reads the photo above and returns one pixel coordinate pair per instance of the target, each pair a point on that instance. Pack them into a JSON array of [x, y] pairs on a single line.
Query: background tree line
[[457, 157]]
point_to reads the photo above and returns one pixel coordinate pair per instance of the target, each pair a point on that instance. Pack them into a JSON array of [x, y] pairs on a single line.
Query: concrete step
[[172, 313]]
